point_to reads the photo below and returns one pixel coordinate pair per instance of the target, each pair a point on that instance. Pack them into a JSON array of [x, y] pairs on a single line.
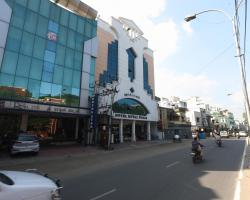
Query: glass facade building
[[43, 56]]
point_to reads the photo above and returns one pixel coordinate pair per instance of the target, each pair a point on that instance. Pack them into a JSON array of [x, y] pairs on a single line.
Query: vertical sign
[[93, 111]]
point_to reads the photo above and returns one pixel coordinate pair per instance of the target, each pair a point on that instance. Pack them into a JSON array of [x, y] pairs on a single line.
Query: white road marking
[[103, 195], [240, 176], [172, 164]]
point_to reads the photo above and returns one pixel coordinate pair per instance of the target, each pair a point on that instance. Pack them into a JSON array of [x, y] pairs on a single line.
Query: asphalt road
[[162, 175]]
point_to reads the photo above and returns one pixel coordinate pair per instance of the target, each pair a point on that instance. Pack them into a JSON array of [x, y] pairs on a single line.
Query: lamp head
[[189, 18]]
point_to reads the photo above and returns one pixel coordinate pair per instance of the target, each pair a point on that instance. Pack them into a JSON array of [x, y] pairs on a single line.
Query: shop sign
[[39, 107], [93, 111], [131, 95], [52, 36], [129, 116]]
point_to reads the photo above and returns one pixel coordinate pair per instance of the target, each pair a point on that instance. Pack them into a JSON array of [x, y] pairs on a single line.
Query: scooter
[[196, 156]]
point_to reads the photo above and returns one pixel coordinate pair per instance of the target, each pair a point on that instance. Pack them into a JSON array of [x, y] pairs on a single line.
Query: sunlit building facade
[[47, 64]]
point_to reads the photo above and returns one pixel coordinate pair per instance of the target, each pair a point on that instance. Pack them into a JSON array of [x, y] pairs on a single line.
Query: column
[[24, 122], [121, 131], [77, 128], [133, 131], [148, 131]]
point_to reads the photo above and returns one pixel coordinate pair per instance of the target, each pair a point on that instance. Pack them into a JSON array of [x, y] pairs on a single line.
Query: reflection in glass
[[45, 89], [34, 87]]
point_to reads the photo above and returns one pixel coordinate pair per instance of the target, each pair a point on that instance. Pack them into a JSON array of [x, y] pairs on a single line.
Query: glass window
[[56, 90], [55, 12], [76, 79], [62, 35], [45, 88], [69, 58], [75, 91], [36, 69], [49, 67], [75, 97], [58, 75], [14, 39], [91, 81], [64, 17], [6, 79], [34, 5], [67, 78], [80, 25], [88, 31], [9, 62], [30, 22], [42, 27], [22, 2], [34, 87], [51, 45], [23, 66], [53, 26], [71, 39], [78, 60], [47, 76], [60, 54], [27, 43], [21, 82], [92, 66], [94, 31], [44, 8], [39, 47], [49, 56], [18, 16], [79, 42], [72, 21]]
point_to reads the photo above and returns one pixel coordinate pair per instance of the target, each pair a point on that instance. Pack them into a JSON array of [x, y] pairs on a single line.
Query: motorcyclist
[[196, 145], [217, 137]]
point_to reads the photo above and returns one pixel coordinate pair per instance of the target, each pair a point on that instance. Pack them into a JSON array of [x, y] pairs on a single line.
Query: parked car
[[16, 185], [242, 134], [24, 142], [224, 134]]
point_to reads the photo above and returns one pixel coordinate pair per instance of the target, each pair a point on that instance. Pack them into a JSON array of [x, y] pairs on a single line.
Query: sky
[[191, 59]]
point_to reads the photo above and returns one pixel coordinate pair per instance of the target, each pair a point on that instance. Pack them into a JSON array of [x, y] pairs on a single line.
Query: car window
[[26, 138], [5, 179]]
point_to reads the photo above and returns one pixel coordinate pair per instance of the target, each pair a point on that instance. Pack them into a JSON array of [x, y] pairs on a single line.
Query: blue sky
[[194, 59]]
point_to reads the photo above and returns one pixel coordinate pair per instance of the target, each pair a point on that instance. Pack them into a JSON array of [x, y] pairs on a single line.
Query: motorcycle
[[196, 156]]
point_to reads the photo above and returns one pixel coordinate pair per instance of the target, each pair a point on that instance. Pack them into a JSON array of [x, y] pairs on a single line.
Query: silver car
[[17, 185], [24, 143]]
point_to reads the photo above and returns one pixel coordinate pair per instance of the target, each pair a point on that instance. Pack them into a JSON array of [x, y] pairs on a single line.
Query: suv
[[15, 185], [24, 142], [224, 134]]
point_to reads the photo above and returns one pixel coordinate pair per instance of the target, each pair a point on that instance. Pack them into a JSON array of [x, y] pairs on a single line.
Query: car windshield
[[26, 138], [5, 179]]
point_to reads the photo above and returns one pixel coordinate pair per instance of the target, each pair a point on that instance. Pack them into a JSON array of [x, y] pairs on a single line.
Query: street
[[153, 173]]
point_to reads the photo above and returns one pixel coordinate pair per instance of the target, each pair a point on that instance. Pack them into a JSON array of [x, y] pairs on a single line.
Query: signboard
[[131, 95], [93, 111], [52, 36], [39, 107], [129, 116]]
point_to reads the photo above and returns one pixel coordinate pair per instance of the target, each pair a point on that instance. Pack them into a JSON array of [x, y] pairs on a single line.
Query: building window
[[131, 63], [146, 85], [197, 119]]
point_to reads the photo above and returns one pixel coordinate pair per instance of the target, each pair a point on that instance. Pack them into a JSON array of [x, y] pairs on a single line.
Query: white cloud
[[186, 26], [162, 36]]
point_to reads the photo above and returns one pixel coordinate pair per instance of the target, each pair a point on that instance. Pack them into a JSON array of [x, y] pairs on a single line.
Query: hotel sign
[[129, 116], [52, 36]]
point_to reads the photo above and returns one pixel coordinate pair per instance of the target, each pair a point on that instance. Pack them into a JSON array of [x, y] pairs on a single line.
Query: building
[[172, 118], [124, 60], [47, 66]]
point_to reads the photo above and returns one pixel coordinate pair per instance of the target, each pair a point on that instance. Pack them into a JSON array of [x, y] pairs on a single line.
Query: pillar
[[24, 122], [148, 131], [121, 131], [77, 128], [133, 131]]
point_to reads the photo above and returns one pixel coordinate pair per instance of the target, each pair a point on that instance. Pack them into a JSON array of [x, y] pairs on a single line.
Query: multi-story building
[[124, 60], [47, 66]]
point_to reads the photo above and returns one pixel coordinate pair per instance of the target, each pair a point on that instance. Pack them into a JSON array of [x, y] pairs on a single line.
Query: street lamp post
[[239, 55]]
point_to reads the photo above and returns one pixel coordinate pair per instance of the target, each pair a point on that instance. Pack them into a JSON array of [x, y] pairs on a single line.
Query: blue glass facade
[[131, 63], [146, 85], [43, 56], [112, 64]]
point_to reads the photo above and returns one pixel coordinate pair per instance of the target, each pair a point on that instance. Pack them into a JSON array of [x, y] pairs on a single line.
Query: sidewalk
[[76, 150], [245, 181]]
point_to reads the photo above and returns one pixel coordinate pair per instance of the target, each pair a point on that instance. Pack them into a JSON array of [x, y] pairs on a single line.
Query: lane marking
[[103, 195], [240, 176], [172, 164]]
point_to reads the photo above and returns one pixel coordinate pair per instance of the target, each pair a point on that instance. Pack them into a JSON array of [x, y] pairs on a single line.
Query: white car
[[242, 134], [28, 185], [224, 134]]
